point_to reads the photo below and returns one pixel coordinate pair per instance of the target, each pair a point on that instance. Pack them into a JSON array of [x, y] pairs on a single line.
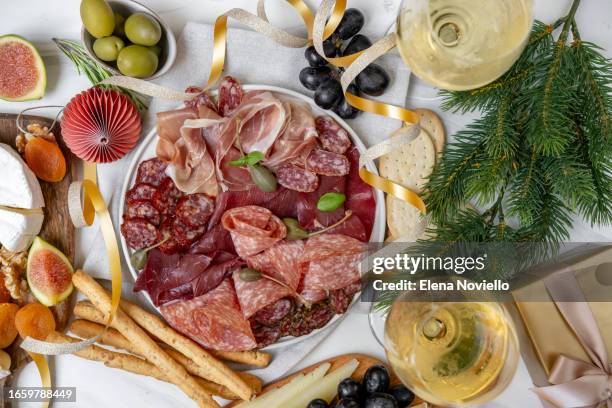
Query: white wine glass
[[451, 354], [462, 44]]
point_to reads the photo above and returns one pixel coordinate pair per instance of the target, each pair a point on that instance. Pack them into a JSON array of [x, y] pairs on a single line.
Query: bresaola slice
[[213, 320], [253, 229], [360, 196], [309, 216]]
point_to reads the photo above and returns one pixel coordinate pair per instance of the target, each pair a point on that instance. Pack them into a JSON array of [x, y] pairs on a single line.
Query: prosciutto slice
[[169, 130], [253, 229], [213, 320], [331, 261]]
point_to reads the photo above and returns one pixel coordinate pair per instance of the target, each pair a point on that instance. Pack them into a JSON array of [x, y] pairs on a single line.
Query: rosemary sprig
[[96, 73]]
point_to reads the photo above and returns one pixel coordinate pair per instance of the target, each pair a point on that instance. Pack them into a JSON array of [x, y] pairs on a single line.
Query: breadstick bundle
[[150, 347]]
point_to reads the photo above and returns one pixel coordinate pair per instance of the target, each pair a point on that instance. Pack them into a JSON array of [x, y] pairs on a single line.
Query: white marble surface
[[39, 20]]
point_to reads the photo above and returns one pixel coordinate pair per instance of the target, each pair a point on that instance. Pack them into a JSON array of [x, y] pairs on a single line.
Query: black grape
[[352, 22], [311, 77], [344, 109], [328, 93], [313, 57], [373, 80], [332, 46], [358, 43]]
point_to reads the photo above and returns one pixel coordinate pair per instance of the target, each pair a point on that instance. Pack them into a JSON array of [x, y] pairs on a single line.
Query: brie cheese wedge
[[21, 202]]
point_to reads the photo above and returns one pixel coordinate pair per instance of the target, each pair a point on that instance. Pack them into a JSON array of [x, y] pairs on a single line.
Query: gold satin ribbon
[[43, 371]]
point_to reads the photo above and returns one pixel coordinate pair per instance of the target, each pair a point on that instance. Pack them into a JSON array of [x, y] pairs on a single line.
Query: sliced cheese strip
[[19, 187], [18, 230], [278, 397], [326, 389]]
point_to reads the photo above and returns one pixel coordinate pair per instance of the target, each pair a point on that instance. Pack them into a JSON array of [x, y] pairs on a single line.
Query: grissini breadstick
[[111, 337], [133, 364], [213, 369], [146, 346], [85, 310]]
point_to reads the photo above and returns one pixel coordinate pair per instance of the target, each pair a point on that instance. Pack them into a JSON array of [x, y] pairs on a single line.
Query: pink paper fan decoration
[[101, 125]]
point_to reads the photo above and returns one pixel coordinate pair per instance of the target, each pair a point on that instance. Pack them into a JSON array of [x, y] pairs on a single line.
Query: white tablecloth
[[39, 20]]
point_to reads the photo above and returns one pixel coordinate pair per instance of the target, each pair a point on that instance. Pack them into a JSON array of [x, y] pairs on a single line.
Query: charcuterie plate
[[147, 150]]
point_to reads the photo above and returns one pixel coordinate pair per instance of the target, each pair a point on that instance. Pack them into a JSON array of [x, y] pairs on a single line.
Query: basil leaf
[[329, 202], [250, 159]]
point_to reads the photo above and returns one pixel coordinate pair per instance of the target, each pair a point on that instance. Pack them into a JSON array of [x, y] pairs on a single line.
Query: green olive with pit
[[108, 48], [156, 49], [98, 17], [119, 25], [137, 61], [142, 29]]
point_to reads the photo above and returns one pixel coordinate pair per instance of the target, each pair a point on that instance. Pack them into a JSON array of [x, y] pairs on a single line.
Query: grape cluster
[[323, 79]]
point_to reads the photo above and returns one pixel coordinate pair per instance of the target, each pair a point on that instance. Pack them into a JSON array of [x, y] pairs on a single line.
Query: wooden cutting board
[[365, 362], [57, 228]]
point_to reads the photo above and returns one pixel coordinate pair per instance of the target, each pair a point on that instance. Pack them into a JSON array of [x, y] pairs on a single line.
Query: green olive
[[97, 17], [137, 61], [119, 25], [108, 48], [142, 29], [156, 49]]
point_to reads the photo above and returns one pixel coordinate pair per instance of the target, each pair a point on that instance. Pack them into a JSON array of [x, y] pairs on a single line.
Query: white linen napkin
[[252, 59]]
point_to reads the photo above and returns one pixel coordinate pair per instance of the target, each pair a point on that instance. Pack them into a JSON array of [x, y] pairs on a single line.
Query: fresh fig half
[[49, 273], [23, 76]]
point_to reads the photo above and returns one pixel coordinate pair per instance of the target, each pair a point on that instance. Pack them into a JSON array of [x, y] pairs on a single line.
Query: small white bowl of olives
[[127, 38]]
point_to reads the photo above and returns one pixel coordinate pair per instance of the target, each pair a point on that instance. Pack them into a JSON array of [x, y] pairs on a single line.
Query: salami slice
[[139, 233], [142, 191], [331, 261], [151, 171], [280, 261], [230, 95], [339, 301], [297, 178], [202, 98], [253, 229], [254, 296], [170, 245], [143, 209], [195, 209], [213, 320], [333, 137], [184, 234], [266, 335], [166, 197], [327, 163], [272, 314]]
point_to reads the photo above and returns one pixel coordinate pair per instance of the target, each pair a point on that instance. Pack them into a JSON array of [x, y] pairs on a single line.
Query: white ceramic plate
[[146, 150]]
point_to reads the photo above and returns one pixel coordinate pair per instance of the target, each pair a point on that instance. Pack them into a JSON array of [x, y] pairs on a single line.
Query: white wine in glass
[[452, 354], [462, 44]]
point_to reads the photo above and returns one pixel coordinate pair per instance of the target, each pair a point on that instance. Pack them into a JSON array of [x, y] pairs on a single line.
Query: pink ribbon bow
[[578, 384]]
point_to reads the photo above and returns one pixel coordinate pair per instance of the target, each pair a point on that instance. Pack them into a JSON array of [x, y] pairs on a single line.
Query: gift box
[[564, 321]]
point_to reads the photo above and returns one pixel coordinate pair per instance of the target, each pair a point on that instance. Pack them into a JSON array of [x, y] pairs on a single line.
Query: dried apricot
[[45, 159], [35, 320], [5, 295], [8, 331]]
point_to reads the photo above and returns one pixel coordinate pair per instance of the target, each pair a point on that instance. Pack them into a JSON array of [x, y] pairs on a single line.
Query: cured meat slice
[[215, 239], [230, 95], [184, 234], [202, 98], [281, 261], [266, 335], [360, 196], [309, 216], [297, 178], [142, 191], [272, 314], [169, 126], [166, 197], [213, 320], [297, 139], [254, 296], [327, 163], [195, 209], [139, 233], [331, 261], [151, 171], [170, 245], [333, 137], [143, 209], [352, 227], [253, 229]]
